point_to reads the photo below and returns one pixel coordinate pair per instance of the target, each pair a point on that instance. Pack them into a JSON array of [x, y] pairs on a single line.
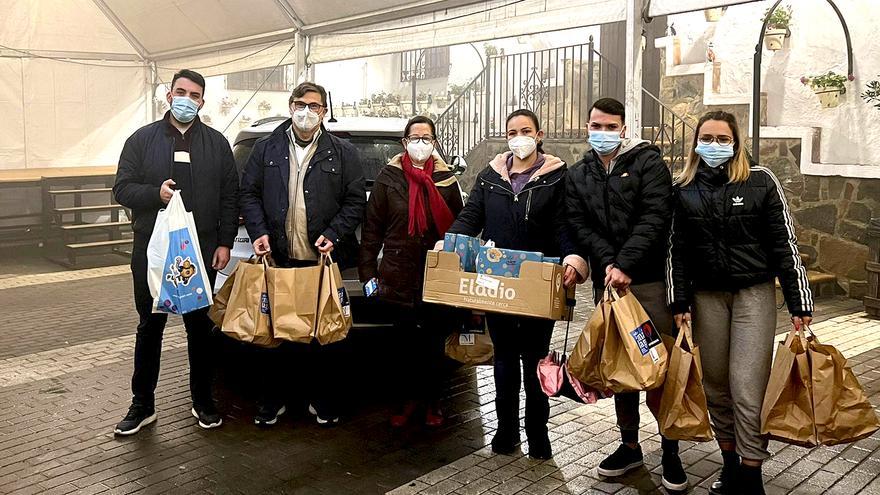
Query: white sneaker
[[323, 421]]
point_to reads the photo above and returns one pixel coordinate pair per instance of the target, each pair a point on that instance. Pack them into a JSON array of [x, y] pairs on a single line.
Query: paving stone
[[64, 386]]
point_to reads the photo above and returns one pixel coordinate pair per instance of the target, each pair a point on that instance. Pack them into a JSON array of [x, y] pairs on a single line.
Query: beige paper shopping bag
[[684, 413], [334, 306], [293, 297]]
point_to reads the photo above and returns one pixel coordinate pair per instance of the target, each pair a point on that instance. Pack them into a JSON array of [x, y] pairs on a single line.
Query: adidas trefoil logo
[[737, 201]]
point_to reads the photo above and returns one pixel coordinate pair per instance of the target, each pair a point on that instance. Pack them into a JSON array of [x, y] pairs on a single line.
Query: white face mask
[[305, 119], [522, 146], [419, 152]]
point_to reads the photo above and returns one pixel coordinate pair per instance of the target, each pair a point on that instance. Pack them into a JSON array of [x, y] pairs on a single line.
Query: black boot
[[729, 473], [751, 481]]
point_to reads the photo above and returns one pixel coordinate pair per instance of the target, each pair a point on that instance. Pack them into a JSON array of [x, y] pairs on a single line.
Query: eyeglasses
[[423, 139], [722, 140], [315, 107]]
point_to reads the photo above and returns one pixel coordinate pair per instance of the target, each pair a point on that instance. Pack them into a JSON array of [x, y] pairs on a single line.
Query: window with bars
[[251, 80], [424, 64]]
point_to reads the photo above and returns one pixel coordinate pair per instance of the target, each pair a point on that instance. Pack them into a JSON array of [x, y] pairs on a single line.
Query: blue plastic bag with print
[[176, 272]]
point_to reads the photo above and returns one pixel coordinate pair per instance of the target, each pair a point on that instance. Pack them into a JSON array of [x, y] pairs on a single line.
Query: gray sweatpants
[[652, 297], [734, 331]]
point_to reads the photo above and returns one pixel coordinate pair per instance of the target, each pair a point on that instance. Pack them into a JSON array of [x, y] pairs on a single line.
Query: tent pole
[[633, 103], [300, 63]]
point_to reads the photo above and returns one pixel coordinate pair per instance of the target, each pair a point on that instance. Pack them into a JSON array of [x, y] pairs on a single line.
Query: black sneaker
[[267, 415], [138, 416], [622, 461], [724, 485], [674, 477], [323, 420], [208, 416]]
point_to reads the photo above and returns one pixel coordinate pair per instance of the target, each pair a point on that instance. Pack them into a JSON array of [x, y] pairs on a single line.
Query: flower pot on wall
[[774, 39], [828, 97], [713, 15]]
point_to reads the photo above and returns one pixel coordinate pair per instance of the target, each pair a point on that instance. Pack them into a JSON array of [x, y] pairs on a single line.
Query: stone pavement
[[66, 342], [583, 436]]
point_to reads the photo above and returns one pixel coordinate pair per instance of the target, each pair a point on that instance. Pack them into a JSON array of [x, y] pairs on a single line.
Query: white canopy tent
[[78, 76]]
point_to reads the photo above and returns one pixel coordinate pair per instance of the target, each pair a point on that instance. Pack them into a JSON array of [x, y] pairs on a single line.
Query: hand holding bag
[[684, 413], [633, 358], [176, 272], [787, 412], [247, 315]]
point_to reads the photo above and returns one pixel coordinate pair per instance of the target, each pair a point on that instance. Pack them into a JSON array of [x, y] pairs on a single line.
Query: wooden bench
[[79, 236]]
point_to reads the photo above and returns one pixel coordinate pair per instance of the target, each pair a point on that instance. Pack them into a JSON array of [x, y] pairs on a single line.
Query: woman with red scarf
[[414, 200]]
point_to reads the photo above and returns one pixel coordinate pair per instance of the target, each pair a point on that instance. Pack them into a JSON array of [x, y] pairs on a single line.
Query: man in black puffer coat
[[619, 202]]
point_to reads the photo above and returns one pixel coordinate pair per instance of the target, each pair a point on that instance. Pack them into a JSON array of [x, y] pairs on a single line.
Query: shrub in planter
[[778, 23], [872, 94], [828, 87]]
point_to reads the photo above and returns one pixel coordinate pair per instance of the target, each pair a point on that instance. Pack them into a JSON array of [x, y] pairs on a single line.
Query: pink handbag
[[556, 381]]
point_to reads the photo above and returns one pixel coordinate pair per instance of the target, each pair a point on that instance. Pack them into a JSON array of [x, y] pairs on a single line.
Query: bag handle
[[797, 333], [569, 302], [685, 334], [611, 294], [326, 259]]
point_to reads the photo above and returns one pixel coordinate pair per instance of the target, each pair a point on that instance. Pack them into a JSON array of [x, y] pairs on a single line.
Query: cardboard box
[[538, 291], [556, 260], [504, 262], [466, 247]]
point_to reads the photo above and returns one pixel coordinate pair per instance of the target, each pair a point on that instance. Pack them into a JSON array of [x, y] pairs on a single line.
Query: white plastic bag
[[176, 272]]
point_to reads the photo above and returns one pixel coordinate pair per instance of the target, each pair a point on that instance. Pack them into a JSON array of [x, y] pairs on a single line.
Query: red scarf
[[421, 184]]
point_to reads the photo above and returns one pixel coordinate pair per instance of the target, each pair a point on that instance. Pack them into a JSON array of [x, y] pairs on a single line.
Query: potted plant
[[778, 23], [714, 14], [828, 87], [264, 107], [872, 94]]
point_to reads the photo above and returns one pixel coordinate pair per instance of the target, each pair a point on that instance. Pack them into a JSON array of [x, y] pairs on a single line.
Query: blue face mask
[[714, 154], [604, 142], [184, 109]]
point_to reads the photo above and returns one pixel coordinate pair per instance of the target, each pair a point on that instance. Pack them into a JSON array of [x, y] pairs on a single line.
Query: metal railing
[[560, 86], [672, 133], [461, 127]]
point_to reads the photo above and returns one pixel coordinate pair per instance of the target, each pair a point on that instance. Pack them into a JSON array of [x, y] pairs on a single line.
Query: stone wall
[[830, 213]]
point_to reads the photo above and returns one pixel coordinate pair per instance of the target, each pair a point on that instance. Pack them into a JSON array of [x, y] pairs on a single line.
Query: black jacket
[[731, 236], [334, 189], [386, 229], [146, 162], [622, 218], [533, 220]]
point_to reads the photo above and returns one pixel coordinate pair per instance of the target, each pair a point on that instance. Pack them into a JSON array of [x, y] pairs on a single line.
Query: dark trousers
[[520, 339], [148, 345], [314, 366], [652, 297], [424, 328]]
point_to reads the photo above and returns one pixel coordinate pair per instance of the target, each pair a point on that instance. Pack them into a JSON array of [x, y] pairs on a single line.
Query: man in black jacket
[[619, 199], [303, 194], [179, 153]]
